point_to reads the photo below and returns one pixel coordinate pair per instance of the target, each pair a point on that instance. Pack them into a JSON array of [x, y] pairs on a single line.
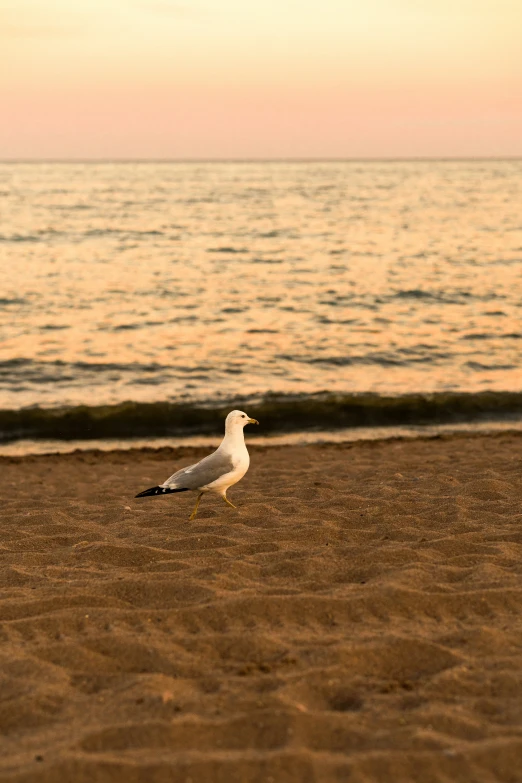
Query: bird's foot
[[193, 515]]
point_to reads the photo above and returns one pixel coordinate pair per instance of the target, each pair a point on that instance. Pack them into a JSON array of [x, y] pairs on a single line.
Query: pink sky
[[282, 78]]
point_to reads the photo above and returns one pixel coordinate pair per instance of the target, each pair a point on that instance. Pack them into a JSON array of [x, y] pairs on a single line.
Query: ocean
[[144, 299]]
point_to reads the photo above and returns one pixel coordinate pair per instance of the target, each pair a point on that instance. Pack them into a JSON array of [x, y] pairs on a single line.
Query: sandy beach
[[357, 618]]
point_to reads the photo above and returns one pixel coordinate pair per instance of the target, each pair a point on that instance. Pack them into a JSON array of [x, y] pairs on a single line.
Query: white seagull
[[217, 472]]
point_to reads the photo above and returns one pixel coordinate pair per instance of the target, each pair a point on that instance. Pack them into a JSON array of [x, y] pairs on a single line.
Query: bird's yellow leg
[[193, 515], [228, 501]]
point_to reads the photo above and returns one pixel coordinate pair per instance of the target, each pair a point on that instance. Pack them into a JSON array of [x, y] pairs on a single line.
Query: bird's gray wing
[[201, 473]]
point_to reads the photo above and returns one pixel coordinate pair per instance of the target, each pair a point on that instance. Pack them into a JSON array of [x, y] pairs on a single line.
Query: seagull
[[217, 472]]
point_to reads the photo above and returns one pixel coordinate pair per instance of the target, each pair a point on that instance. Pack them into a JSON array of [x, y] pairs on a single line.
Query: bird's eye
[[243, 416]]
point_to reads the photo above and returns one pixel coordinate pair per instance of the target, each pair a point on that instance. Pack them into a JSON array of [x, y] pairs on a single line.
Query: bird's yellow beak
[[252, 421]]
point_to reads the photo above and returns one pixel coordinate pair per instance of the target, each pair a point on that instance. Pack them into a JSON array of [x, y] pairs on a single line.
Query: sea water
[[202, 284]]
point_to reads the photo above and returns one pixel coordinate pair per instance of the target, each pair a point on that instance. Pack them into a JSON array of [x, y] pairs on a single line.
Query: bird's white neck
[[234, 438]]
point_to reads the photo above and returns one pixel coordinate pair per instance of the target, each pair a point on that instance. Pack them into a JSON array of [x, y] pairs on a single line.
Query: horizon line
[[282, 159]]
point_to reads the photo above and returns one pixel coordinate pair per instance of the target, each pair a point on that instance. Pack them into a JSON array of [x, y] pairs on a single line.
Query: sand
[[358, 618]]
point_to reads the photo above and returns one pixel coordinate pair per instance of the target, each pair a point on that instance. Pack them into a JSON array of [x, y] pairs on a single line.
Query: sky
[[260, 78]]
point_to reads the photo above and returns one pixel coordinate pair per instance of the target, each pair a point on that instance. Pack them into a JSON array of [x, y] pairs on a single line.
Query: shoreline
[[41, 448], [282, 415]]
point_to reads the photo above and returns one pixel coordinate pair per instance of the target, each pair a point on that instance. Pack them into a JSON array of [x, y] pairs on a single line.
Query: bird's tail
[[160, 491]]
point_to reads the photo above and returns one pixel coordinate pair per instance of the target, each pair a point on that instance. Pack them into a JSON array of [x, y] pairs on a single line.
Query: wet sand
[[358, 618]]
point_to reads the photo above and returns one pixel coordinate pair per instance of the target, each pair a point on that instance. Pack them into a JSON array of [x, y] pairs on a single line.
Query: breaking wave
[[277, 414]]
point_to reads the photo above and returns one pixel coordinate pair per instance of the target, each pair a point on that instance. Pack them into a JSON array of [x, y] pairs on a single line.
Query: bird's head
[[238, 419]]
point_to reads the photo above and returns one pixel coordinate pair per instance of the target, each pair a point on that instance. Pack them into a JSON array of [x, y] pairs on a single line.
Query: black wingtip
[[151, 491], [159, 491]]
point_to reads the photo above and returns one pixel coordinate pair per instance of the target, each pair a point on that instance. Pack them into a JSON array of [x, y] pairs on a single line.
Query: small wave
[[400, 358], [492, 336], [480, 366], [277, 414], [336, 361], [456, 297], [227, 250], [5, 301], [70, 207], [44, 367], [20, 238], [269, 234], [417, 293], [9, 364], [101, 232]]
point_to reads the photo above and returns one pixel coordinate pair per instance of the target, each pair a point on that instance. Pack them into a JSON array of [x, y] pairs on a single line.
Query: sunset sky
[[263, 78]]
